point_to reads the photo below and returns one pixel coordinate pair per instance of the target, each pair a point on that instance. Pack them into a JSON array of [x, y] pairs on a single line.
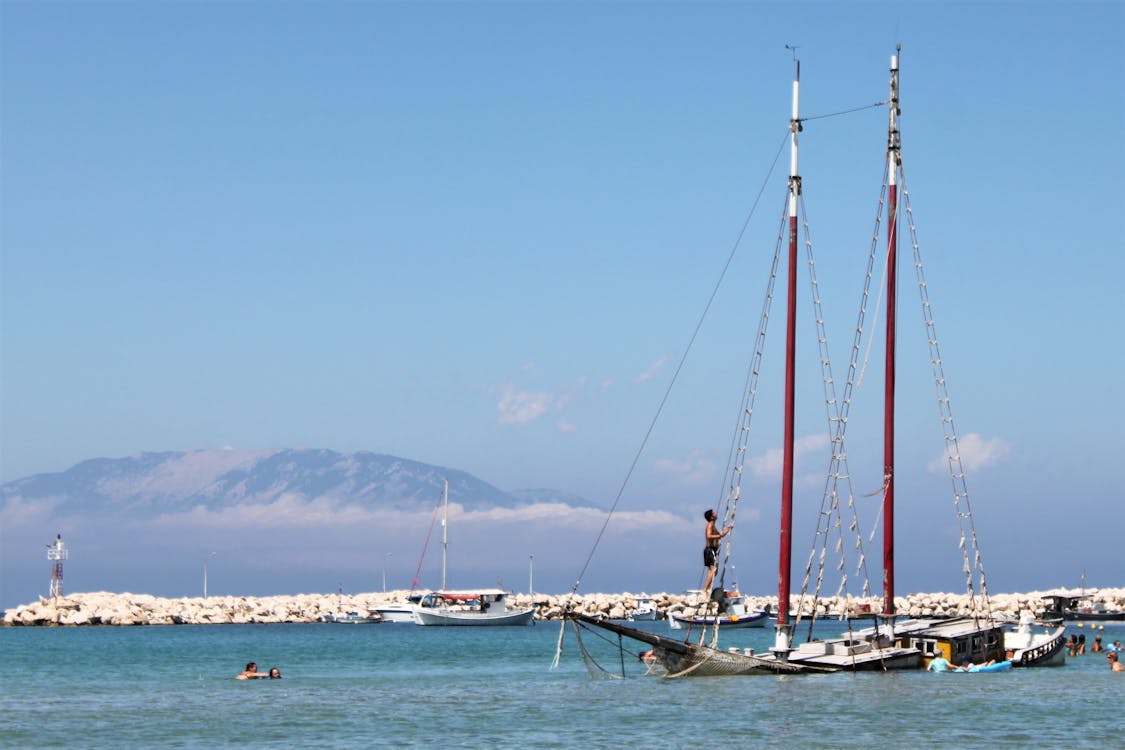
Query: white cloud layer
[[693, 471], [652, 369], [976, 454], [522, 408], [768, 466]]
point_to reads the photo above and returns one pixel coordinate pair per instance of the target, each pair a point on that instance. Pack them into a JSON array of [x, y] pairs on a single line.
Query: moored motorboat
[[402, 611], [479, 607], [1024, 647], [644, 610], [733, 613], [352, 618], [466, 607]]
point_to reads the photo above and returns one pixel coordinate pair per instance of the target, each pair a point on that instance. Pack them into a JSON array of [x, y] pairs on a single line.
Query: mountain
[[216, 479]]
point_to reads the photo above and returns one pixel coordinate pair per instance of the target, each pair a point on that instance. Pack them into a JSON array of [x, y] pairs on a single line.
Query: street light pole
[[205, 572], [531, 574], [385, 570]]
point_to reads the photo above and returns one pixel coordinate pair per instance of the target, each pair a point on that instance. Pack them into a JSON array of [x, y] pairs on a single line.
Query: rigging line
[[425, 546], [680, 364], [843, 112]]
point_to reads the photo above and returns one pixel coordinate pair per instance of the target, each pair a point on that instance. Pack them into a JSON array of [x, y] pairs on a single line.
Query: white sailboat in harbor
[[472, 607]]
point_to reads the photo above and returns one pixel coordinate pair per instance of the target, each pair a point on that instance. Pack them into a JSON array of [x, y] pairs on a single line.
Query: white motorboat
[[352, 618], [467, 607], [644, 611], [734, 614], [1025, 647], [479, 607], [399, 611]]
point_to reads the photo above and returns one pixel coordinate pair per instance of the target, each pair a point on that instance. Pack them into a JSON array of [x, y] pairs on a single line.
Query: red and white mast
[[894, 161], [783, 634]]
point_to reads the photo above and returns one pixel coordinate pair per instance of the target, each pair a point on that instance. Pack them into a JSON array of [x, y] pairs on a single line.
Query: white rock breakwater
[[103, 608]]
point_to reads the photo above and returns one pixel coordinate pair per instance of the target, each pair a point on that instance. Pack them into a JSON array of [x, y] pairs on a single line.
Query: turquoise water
[[408, 686]]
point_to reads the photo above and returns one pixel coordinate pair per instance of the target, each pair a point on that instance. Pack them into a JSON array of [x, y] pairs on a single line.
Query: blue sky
[[480, 235]]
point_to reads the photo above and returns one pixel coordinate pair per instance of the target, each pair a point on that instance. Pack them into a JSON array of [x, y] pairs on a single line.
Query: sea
[[401, 685]]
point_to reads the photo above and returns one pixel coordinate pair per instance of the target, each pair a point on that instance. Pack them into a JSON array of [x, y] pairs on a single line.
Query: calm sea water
[[408, 686]]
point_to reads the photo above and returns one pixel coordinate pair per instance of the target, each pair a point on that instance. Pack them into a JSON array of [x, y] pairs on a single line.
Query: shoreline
[[111, 609]]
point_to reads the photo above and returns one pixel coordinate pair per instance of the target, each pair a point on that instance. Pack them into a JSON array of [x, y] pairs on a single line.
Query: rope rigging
[[830, 516], [961, 504], [740, 438], [842, 112]]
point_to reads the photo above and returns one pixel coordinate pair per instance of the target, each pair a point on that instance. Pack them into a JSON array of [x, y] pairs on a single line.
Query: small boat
[[733, 614], [352, 618], [399, 611], [1023, 647], [481, 607], [644, 611], [1077, 607], [472, 607]]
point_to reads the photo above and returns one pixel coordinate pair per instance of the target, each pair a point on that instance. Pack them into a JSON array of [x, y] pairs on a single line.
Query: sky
[[482, 234]]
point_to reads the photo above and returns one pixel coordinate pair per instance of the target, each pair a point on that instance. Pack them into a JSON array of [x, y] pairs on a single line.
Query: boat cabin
[[959, 640], [494, 601]]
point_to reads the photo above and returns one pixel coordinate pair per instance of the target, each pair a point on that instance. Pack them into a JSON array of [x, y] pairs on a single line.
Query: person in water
[[711, 550], [968, 666], [275, 674], [1115, 664], [250, 673], [940, 664]]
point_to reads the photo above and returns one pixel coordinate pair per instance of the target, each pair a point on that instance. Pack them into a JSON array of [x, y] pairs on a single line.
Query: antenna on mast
[[793, 49]]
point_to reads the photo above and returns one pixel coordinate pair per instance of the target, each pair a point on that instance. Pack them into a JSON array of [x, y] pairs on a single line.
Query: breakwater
[[104, 608]]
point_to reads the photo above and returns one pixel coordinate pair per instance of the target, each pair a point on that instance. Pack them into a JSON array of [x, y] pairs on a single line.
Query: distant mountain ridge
[[215, 479]]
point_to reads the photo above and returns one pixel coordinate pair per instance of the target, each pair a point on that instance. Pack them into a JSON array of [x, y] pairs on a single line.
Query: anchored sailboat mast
[[785, 547], [894, 160], [444, 529]]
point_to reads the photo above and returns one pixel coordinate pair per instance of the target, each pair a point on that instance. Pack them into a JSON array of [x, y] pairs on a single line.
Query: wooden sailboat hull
[[680, 659], [856, 657]]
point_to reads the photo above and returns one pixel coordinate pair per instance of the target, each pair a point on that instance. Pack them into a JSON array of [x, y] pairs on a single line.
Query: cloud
[[695, 470], [18, 512], [294, 511], [521, 408], [768, 466], [565, 426], [566, 398], [976, 453], [652, 369]]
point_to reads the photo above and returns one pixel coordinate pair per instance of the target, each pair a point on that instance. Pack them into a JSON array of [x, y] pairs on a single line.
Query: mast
[[785, 547], [894, 160], [444, 529]]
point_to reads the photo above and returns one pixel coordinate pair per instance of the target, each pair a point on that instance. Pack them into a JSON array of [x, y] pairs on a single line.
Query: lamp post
[[531, 574], [205, 572], [385, 571]]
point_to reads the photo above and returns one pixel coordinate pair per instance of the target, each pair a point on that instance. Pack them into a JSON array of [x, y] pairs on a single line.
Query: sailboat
[[488, 606], [891, 643], [698, 656]]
